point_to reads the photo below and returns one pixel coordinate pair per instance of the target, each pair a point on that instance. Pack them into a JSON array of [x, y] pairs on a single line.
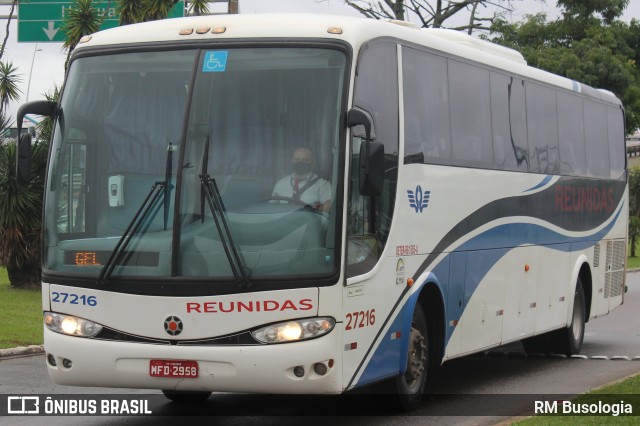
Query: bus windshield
[[236, 152]]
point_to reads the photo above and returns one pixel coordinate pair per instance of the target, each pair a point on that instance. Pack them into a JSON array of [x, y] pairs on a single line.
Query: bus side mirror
[[23, 159], [23, 151], [371, 162], [359, 117]]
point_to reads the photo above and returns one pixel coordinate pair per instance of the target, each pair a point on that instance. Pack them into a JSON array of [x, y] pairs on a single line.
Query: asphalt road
[[477, 390]]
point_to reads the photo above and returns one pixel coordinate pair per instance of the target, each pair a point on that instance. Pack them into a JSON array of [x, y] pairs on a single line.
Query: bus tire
[[186, 397], [410, 386], [569, 340]]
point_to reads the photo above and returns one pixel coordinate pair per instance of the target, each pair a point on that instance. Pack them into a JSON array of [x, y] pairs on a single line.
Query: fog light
[[320, 368], [51, 360], [66, 363], [299, 371]]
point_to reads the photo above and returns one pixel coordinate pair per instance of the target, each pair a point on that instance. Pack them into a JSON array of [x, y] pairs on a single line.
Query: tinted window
[[426, 108], [595, 125], [615, 126], [470, 115], [509, 122], [542, 125], [571, 135]]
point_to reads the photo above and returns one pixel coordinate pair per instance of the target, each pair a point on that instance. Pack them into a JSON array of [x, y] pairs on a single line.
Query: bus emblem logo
[[173, 325], [419, 200]]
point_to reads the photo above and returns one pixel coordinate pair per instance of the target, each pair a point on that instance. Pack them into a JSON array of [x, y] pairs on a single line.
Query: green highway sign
[[40, 20]]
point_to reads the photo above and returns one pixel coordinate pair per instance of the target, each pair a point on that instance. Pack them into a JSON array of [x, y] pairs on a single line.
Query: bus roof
[[354, 30]]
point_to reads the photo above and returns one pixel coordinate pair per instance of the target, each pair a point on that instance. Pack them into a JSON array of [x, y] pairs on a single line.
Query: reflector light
[[334, 30], [218, 30], [186, 31], [203, 30], [85, 39]]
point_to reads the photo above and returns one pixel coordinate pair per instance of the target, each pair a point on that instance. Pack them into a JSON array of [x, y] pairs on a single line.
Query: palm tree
[[83, 19], [5, 123], [9, 79], [130, 11], [157, 9], [45, 127], [20, 217], [199, 7]]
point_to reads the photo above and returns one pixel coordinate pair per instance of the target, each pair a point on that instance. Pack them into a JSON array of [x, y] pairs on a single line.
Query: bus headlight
[[70, 325], [295, 330]]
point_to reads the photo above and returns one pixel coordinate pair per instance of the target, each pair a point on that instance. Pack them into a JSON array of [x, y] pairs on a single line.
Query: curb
[[21, 351]]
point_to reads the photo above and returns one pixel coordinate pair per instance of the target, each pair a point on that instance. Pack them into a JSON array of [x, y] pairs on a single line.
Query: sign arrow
[[51, 31]]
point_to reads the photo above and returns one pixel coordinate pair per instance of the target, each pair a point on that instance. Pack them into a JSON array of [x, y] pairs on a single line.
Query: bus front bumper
[[256, 369]]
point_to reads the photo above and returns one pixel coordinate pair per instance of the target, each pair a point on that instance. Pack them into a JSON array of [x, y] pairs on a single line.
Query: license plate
[[173, 368]]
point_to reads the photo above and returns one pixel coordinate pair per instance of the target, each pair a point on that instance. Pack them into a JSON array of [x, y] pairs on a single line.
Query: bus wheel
[[186, 396], [410, 386], [568, 340]]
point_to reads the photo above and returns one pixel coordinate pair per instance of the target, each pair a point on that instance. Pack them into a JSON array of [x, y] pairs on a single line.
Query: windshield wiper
[[216, 206], [158, 188], [132, 229]]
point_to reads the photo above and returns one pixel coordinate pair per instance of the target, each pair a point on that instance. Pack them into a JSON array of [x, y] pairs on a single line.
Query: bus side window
[[363, 249], [370, 217], [72, 187]]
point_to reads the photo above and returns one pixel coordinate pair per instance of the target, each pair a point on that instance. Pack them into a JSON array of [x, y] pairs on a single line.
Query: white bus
[[475, 202]]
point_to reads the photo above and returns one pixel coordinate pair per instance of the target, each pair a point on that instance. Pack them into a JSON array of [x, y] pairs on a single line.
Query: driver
[[303, 184]]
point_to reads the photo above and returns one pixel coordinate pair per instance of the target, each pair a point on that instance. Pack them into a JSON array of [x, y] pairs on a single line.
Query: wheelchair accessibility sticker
[[215, 61]]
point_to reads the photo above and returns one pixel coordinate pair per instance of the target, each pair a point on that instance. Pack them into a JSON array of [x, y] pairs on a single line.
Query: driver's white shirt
[[318, 193]]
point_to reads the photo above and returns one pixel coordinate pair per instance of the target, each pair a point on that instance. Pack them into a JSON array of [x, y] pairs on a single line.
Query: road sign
[[40, 20]]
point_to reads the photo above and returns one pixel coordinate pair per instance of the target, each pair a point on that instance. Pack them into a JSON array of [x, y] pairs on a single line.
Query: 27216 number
[[361, 319], [74, 299]]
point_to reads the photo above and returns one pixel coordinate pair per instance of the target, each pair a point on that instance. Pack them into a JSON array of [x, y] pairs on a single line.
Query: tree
[[5, 123], [129, 11], [434, 13], [199, 7], [82, 19], [9, 79], [20, 217], [134, 11], [45, 127], [14, 3], [157, 9], [600, 52], [634, 208], [585, 9]]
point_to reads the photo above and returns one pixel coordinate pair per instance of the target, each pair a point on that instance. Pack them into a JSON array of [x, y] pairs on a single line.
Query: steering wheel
[[291, 200], [287, 199]]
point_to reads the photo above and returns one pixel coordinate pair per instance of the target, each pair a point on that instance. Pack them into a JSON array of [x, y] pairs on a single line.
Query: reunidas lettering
[[250, 306]]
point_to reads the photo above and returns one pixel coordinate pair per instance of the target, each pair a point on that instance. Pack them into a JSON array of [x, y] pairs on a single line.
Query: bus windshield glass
[[205, 165]]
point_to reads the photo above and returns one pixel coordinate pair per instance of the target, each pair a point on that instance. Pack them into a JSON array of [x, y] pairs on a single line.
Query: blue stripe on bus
[[507, 237], [391, 355], [544, 181]]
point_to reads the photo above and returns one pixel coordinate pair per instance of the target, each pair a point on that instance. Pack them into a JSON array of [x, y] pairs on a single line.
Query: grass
[[20, 315], [634, 262], [626, 390]]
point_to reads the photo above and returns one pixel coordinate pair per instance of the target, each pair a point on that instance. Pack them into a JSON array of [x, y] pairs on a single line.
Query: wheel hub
[[416, 359]]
